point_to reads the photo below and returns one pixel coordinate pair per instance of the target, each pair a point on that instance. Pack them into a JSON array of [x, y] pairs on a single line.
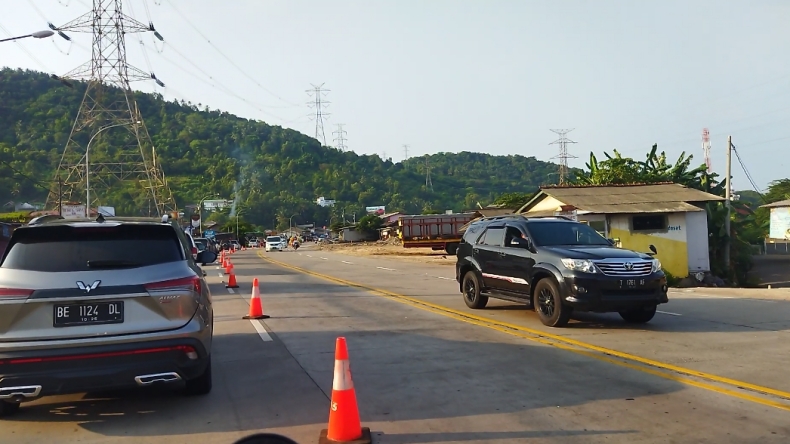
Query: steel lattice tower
[[340, 140], [318, 93], [102, 108], [563, 156]]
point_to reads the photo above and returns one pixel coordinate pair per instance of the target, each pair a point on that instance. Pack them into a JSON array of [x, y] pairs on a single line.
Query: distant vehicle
[[274, 243], [438, 232], [93, 305], [252, 243], [557, 266], [235, 244]]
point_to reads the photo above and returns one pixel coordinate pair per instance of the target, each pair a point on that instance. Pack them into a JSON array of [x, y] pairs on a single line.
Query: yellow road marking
[[572, 345]]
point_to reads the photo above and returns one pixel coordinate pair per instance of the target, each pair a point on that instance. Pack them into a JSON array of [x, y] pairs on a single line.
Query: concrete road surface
[[428, 370]]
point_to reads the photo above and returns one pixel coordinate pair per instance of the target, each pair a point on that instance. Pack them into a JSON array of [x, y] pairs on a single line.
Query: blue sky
[[462, 75]]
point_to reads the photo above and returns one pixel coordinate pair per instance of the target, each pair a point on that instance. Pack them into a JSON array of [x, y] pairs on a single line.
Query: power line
[[318, 102], [746, 172], [563, 156], [228, 58], [340, 140]]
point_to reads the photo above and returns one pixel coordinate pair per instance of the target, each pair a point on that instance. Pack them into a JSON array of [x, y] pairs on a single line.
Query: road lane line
[[221, 275], [324, 258], [230, 290], [574, 345], [445, 278], [261, 331], [347, 262], [385, 268], [668, 313], [309, 255]]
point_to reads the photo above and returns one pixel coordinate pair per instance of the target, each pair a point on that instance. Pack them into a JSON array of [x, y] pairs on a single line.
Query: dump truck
[[435, 231]]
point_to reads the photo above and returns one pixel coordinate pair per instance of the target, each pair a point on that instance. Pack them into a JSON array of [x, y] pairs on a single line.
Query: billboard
[[780, 223], [217, 204], [73, 211], [379, 210]]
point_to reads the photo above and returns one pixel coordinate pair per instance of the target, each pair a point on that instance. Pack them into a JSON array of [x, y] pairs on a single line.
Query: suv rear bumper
[[86, 369], [602, 294]]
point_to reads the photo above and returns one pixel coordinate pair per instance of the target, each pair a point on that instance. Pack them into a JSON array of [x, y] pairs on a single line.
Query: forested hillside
[[274, 172]]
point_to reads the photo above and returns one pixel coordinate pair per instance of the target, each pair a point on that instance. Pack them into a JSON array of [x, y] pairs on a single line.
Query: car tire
[[8, 408], [200, 385], [548, 304], [470, 287], [640, 315]]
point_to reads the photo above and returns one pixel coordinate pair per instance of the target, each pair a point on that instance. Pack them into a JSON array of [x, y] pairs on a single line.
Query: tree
[[369, 224], [514, 200]]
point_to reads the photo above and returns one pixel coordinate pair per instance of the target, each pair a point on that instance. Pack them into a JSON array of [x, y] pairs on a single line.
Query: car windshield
[[273, 239], [551, 233], [66, 248]]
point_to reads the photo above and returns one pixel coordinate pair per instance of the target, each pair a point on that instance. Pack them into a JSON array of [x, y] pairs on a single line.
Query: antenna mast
[[706, 149]]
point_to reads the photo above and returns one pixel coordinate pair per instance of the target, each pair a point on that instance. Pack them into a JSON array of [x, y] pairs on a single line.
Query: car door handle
[[476, 250], [502, 253]]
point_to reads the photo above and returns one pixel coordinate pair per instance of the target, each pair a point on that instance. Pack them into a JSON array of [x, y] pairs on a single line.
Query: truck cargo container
[[435, 231]]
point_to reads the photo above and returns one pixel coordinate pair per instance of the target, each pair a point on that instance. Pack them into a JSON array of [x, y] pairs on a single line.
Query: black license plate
[[69, 315], [632, 283]]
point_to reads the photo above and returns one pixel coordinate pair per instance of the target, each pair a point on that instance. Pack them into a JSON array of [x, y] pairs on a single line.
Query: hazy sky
[[461, 75]]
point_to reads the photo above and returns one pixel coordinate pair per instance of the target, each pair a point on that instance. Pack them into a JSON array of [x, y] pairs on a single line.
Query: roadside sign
[[209, 234]]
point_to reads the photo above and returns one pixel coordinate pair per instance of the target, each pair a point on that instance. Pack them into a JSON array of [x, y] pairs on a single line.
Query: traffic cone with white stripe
[[344, 423], [256, 307]]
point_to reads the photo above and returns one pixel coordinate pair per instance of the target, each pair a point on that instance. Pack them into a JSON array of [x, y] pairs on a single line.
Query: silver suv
[[91, 305]]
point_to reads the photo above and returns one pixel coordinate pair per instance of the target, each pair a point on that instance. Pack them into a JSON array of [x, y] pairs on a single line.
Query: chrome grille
[[625, 268]]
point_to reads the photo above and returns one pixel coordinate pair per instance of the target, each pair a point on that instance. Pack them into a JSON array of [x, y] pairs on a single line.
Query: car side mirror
[[206, 257], [520, 242]]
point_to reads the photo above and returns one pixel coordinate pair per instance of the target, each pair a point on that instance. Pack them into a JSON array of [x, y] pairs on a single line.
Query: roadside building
[[778, 241], [351, 234], [667, 215]]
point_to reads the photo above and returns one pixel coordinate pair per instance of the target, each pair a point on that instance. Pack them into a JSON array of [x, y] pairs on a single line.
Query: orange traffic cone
[[228, 268], [232, 280], [256, 307], [344, 423]]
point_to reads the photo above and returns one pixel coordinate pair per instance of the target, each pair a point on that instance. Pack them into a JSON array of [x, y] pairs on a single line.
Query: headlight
[[656, 266], [582, 265]]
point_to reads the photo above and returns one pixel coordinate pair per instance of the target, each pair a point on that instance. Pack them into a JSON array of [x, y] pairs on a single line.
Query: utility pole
[[340, 140], [728, 203], [109, 101], [563, 156], [428, 183], [318, 93]]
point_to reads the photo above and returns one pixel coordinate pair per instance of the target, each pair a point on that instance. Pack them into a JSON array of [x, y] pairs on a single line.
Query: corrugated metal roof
[[656, 198], [781, 203]]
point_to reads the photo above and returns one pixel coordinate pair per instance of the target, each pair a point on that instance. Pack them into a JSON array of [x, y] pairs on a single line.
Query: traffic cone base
[[364, 439]]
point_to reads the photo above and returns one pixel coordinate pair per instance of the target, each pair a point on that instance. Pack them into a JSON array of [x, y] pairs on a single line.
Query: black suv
[[557, 266]]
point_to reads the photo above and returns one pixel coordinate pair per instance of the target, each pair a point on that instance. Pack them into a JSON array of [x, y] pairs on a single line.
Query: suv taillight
[[188, 283], [14, 293], [194, 250]]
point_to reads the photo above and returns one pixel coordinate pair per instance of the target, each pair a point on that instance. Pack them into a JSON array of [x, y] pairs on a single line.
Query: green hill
[[277, 172]]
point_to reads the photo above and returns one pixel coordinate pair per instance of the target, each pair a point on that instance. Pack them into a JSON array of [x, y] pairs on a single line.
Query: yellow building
[[669, 216]]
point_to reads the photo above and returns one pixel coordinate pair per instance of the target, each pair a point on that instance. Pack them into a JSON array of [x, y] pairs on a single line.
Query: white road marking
[[446, 278], [668, 313], [385, 268], [347, 262], [261, 331], [230, 290], [221, 275], [324, 258], [309, 255]]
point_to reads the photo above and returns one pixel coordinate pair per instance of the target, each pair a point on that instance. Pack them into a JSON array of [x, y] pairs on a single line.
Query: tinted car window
[[273, 239], [494, 237], [66, 248], [564, 233]]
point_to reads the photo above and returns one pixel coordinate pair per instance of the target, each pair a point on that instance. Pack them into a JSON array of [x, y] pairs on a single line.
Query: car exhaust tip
[[146, 380], [20, 393]]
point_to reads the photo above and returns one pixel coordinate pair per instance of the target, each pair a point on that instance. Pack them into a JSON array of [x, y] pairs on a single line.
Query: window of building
[[651, 222], [599, 226]]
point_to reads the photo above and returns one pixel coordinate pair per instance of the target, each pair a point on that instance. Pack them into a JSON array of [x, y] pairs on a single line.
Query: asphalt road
[[429, 370]]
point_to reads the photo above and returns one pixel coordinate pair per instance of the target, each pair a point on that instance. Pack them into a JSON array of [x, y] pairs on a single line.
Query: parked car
[[252, 243], [235, 244], [558, 266], [94, 305], [274, 243]]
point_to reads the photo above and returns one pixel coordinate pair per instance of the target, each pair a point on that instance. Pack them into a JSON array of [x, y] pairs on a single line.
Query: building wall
[[547, 204], [350, 235], [780, 223], [670, 243], [697, 240]]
